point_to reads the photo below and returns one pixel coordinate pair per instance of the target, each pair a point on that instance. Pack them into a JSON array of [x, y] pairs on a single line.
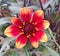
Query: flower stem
[[26, 51], [24, 3], [41, 5], [27, 54], [30, 2]]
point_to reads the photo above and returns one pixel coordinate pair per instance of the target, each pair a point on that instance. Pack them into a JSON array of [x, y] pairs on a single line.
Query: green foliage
[[50, 52], [41, 48], [46, 52], [35, 1], [5, 20], [3, 23], [3, 27], [53, 16], [13, 0], [12, 53], [33, 7]]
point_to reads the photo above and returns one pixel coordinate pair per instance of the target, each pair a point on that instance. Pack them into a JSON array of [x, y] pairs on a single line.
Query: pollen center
[[29, 28]]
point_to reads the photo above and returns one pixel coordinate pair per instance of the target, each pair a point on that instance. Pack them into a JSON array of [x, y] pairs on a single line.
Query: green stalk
[[53, 37], [26, 51]]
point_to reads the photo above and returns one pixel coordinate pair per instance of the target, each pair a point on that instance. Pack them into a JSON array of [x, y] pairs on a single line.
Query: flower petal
[[34, 42], [16, 21], [44, 38], [38, 34], [12, 31], [43, 24], [21, 41], [38, 16], [25, 14]]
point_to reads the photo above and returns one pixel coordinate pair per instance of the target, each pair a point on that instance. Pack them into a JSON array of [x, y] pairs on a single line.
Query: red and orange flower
[[30, 25]]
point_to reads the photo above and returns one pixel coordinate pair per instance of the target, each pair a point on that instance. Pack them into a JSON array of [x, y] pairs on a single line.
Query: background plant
[[51, 48]]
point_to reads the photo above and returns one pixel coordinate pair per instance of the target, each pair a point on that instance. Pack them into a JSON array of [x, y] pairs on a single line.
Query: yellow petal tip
[[19, 45], [46, 24], [44, 38], [35, 44]]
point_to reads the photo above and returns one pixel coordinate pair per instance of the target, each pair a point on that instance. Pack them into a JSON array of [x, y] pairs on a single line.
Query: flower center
[[29, 28]]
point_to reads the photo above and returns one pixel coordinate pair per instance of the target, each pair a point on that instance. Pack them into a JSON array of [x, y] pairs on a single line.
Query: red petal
[[16, 21], [25, 14], [21, 41], [12, 31], [38, 16], [39, 34], [34, 42], [43, 25]]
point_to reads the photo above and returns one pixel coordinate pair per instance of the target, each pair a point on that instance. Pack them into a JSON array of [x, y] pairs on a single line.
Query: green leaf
[[25, 51], [13, 0], [51, 51], [46, 52], [6, 43], [41, 48], [12, 53], [33, 7], [1, 54], [3, 27], [53, 37], [53, 16], [35, 1], [16, 9], [16, 53], [5, 20]]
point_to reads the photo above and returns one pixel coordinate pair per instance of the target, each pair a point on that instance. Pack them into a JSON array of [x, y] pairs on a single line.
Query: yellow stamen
[[20, 26], [22, 30], [36, 29], [23, 23], [30, 21], [33, 34], [21, 33], [28, 36], [34, 23]]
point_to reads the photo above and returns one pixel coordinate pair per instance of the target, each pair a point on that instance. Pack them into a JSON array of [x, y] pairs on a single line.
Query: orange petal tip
[[19, 45], [46, 24], [6, 32], [40, 13], [35, 44], [44, 38]]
